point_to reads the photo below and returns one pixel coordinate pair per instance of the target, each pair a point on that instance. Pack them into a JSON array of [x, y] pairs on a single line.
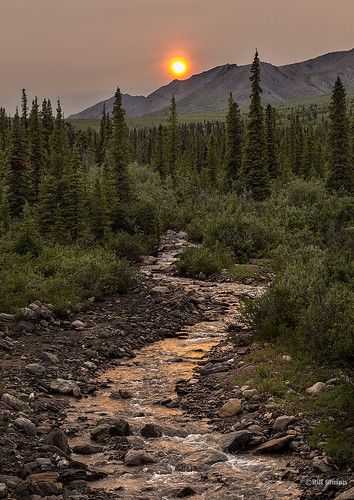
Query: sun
[[178, 67]]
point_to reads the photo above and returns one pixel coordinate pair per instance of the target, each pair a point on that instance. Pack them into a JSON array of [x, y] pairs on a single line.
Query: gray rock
[[151, 431], [58, 439], [87, 449], [77, 325], [317, 388], [236, 441], [281, 423], [48, 356], [184, 492], [202, 459], [136, 457], [65, 387], [7, 317], [15, 403], [321, 465], [231, 408], [110, 428], [26, 326], [274, 444], [121, 394], [35, 368], [25, 425]]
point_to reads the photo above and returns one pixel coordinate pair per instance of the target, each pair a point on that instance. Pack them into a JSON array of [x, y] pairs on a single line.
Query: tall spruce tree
[[340, 178], [271, 143], [173, 142], [36, 150], [24, 106], [18, 172], [233, 141], [159, 153], [255, 174], [117, 181]]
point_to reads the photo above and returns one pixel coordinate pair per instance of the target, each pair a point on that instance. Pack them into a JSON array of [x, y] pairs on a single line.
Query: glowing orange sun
[[178, 67]]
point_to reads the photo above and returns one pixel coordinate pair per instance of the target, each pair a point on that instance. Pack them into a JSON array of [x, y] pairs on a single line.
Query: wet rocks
[[201, 459], [121, 394], [58, 439], [26, 426], [236, 441], [87, 449], [151, 431], [274, 445], [110, 428], [15, 403], [281, 423], [231, 408], [136, 457], [317, 388]]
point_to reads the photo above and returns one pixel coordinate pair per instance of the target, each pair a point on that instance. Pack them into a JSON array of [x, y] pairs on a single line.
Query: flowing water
[[186, 452]]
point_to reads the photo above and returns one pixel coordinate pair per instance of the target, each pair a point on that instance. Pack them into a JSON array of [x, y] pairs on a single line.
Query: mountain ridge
[[208, 91]]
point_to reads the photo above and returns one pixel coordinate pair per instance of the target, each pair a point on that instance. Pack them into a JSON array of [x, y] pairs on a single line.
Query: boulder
[[87, 449], [7, 317], [90, 365], [231, 408], [65, 387], [77, 325], [58, 438], [26, 426], [151, 431], [15, 403], [35, 368], [110, 428], [157, 290], [274, 444], [199, 460], [44, 484], [321, 465], [137, 457], [236, 441], [281, 423], [48, 356], [25, 326], [317, 388]]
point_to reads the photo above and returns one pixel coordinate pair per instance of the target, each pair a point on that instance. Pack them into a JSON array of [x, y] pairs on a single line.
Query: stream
[[187, 457]]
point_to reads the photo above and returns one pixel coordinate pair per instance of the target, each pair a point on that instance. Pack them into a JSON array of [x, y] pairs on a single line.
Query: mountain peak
[[209, 90]]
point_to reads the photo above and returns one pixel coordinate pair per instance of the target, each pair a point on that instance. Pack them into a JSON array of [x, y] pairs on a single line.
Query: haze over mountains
[[208, 91]]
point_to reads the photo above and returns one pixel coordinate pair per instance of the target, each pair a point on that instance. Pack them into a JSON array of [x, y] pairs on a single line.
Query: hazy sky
[[81, 50]]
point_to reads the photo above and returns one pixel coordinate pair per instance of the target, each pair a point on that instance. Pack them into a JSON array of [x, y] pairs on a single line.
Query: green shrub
[[200, 260], [128, 246]]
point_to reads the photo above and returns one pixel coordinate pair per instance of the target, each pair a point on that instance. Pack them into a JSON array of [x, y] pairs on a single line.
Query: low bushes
[[200, 260]]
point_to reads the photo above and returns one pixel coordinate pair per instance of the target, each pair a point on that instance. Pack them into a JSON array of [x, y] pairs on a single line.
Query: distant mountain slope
[[208, 91]]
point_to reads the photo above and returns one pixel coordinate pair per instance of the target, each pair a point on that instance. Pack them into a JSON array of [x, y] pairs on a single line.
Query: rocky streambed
[[130, 399]]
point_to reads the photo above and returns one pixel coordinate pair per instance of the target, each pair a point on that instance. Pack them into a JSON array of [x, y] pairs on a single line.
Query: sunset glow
[[178, 67]]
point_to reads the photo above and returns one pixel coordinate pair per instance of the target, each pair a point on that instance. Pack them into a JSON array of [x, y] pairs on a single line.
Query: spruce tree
[[18, 171], [233, 141], [36, 150], [340, 178], [47, 122], [100, 220], [159, 161], [117, 181], [172, 138], [271, 143], [24, 106], [255, 174]]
